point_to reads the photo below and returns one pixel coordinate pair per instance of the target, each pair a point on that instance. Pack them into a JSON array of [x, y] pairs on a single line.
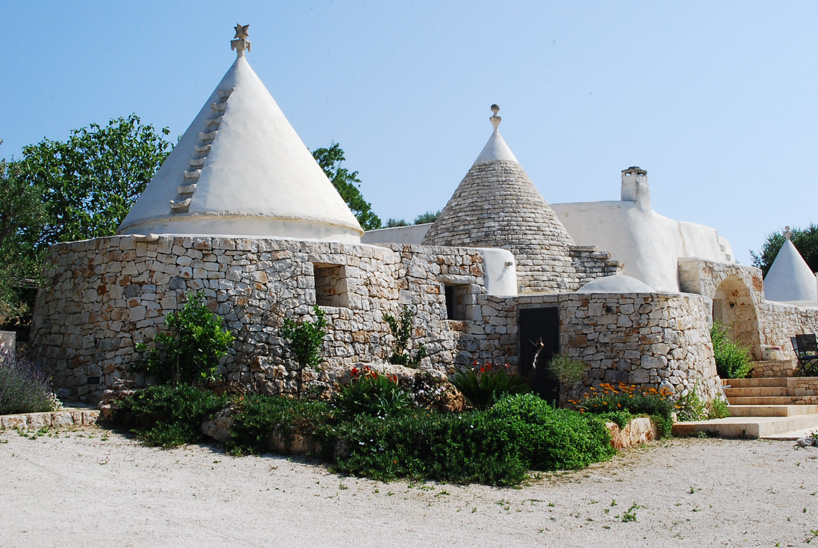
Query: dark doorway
[[539, 328]]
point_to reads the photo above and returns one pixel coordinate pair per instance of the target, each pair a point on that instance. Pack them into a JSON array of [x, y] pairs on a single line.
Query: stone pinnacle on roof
[[240, 169], [497, 205], [240, 41]]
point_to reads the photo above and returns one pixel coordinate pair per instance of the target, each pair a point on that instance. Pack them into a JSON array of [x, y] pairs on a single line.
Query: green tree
[[805, 241], [89, 182], [304, 341], [22, 215], [427, 217], [190, 352], [394, 223], [347, 184]]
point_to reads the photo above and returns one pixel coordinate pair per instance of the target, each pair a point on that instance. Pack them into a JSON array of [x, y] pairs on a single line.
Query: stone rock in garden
[[219, 427], [120, 390], [809, 441], [294, 444]]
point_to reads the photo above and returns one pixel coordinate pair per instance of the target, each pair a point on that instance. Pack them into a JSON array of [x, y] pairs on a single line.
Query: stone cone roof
[[790, 279], [497, 205], [241, 170]]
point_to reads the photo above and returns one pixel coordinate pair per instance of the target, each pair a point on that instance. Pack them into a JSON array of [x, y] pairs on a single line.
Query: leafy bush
[[484, 385], [718, 409], [423, 445], [401, 329], [567, 370], [191, 353], [257, 416], [24, 388], [733, 361], [304, 340], [624, 397], [167, 416], [546, 438], [372, 394], [690, 407], [496, 447]]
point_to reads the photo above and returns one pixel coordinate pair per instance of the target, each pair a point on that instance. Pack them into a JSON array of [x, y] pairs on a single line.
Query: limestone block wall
[[651, 340], [103, 296], [779, 322]]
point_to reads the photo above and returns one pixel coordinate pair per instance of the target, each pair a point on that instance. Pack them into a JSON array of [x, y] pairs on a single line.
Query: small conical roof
[[790, 279], [497, 205], [241, 169]]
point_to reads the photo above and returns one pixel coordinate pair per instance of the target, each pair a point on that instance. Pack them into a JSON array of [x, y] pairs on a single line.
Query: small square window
[[457, 299], [330, 285]]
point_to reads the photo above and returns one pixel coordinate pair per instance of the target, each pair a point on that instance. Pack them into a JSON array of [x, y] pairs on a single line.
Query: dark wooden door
[[539, 327]]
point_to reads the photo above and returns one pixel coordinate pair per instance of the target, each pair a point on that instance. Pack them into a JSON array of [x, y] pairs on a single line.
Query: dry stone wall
[[104, 296]]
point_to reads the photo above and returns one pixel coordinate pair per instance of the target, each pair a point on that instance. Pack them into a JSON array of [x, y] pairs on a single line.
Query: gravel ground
[[94, 487]]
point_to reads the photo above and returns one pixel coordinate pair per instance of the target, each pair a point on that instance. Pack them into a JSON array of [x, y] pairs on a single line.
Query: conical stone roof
[[497, 205], [790, 278], [241, 169]]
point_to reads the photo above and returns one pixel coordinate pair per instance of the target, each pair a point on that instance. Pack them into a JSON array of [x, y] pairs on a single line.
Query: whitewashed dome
[[240, 169], [790, 279], [618, 283]]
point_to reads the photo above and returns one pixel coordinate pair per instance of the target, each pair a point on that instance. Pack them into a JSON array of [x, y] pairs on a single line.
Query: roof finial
[[787, 233], [240, 41], [494, 119]]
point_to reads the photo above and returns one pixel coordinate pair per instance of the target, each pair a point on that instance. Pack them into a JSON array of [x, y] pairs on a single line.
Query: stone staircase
[[775, 407]]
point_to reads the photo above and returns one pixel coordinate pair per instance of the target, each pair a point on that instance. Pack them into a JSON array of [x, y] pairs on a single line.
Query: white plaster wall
[[500, 272], [412, 234], [648, 243]]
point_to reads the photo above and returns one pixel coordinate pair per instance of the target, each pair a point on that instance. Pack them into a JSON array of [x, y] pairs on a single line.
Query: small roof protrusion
[[787, 233], [240, 41], [495, 120]]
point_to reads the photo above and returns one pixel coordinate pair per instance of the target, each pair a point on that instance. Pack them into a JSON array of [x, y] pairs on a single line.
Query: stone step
[[763, 400], [747, 427], [772, 410], [753, 391], [755, 382]]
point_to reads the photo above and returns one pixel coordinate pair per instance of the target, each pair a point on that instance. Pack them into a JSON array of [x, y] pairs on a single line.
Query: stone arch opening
[[733, 306]]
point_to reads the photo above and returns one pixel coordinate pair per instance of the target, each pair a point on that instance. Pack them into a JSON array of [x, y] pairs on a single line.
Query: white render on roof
[[240, 169], [790, 279], [648, 243]]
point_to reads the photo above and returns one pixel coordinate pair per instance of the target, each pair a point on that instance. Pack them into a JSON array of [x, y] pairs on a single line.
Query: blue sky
[[717, 100]]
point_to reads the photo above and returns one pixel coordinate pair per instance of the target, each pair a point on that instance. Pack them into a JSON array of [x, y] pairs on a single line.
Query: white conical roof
[[790, 278], [241, 169]]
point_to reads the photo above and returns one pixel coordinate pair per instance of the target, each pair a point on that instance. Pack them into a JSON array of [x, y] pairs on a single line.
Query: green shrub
[[546, 438], [304, 340], [24, 388], [733, 361], [495, 447], [690, 407], [718, 409], [423, 445], [190, 353], [401, 329], [484, 385], [371, 393], [168, 416], [257, 416], [568, 371]]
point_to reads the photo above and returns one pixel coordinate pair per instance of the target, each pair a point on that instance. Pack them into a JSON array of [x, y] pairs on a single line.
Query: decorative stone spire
[[240, 41], [495, 120], [787, 233]]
